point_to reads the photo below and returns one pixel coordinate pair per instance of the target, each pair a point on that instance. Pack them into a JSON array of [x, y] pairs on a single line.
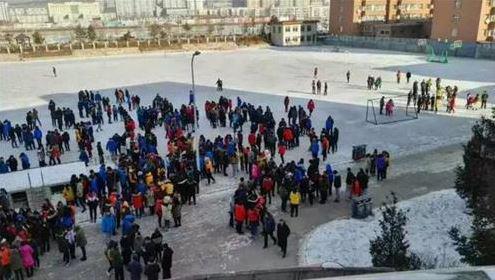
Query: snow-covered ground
[[260, 76], [205, 244], [346, 242]]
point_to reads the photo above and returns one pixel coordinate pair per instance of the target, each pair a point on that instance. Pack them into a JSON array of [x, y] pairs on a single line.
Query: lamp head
[[196, 53]]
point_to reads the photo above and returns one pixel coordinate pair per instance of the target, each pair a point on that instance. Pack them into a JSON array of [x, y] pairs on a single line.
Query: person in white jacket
[[167, 211]]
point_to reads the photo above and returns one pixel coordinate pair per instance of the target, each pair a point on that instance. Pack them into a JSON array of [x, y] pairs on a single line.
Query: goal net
[[398, 112]]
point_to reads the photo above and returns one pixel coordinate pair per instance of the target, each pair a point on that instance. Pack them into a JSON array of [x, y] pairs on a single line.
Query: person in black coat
[[283, 233], [337, 183], [335, 140], [167, 261], [152, 270]]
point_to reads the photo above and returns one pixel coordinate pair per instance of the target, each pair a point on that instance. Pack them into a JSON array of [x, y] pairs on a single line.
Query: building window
[[341, 9], [308, 38], [287, 29], [302, 38], [455, 31], [287, 39], [458, 4], [340, 18], [295, 29], [302, 28], [280, 29], [308, 28]]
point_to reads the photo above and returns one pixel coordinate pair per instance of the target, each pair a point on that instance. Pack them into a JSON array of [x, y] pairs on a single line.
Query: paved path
[[205, 244]]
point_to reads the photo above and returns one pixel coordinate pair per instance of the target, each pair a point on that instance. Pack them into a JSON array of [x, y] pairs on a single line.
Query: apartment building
[[380, 17], [32, 14], [466, 20], [293, 33], [4, 12], [132, 9], [73, 11]]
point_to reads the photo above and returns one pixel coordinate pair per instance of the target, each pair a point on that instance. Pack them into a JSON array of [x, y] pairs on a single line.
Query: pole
[[195, 122]]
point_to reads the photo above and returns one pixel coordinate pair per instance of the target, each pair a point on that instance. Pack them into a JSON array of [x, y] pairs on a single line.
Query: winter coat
[[167, 211], [239, 213], [152, 270], [15, 260], [283, 232], [295, 198], [127, 224], [137, 201], [27, 256], [108, 224], [380, 163], [315, 148], [267, 184], [80, 237], [337, 181], [167, 257], [38, 134], [269, 224], [177, 210], [135, 269], [253, 216]]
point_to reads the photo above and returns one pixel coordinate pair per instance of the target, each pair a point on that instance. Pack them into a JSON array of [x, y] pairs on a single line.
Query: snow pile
[[346, 242]]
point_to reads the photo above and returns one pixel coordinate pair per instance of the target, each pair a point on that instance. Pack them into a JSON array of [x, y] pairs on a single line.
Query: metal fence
[[473, 50]]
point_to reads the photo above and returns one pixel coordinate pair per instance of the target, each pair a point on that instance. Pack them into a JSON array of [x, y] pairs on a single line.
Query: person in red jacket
[[252, 139], [138, 204], [311, 106], [325, 146], [254, 220], [239, 216], [267, 187], [356, 189], [281, 151], [288, 136]]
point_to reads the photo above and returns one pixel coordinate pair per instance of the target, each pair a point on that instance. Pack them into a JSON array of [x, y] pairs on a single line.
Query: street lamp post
[[195, 109], [193, 90]]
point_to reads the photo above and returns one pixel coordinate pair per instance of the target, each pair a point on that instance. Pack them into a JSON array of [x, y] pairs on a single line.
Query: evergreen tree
[[80, 32], [38, 38], [475, 183], [390, 249], [91, 33]]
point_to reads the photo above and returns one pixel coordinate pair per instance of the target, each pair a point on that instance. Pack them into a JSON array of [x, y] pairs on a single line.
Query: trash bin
[[361, 207], [358, 152]]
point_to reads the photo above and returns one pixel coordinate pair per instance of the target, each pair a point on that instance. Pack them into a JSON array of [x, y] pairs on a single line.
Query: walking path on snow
[[206, 244]]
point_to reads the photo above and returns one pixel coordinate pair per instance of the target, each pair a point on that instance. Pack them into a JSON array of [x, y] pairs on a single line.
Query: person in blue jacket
[[108, 224], [330, 178], [83, 156], [38, 135], [4, 168], [24, 161], [127, 224], [112, 147], [329, 124], [315, 148]]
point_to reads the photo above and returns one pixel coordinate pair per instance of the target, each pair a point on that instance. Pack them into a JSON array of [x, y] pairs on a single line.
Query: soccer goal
[[400, 111]]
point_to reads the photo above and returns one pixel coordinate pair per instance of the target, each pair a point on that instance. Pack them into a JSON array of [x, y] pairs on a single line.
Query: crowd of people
[[139, 182]]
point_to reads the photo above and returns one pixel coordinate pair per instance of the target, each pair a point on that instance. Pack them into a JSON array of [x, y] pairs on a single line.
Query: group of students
[[26, 235]]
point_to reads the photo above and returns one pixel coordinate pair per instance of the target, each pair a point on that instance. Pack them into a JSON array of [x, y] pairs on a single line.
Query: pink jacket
[[27, 256], [255, 172]]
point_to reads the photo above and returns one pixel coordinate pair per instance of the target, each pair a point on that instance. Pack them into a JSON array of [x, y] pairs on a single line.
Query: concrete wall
[[473, 50], [293, 273]]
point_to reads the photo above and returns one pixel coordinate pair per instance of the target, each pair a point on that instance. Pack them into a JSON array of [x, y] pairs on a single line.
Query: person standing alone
[[283, 233]]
